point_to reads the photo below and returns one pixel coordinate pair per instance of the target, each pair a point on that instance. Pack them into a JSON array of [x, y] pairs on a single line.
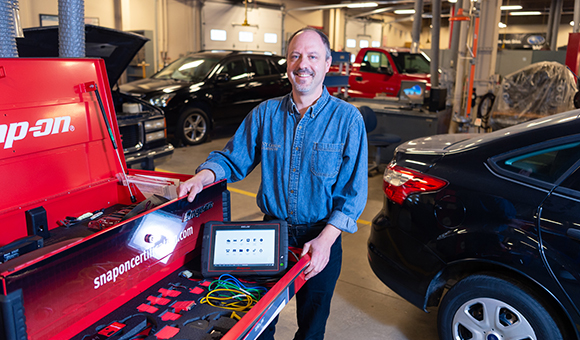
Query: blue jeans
[[313, 299]]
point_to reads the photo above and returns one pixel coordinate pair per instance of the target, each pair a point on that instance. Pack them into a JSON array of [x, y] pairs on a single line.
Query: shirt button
[[291, 191], [296, 149], [293, 170], [291, 213]]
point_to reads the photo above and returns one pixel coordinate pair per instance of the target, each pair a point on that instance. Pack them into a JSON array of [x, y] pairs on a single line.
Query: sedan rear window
[[546, 165]]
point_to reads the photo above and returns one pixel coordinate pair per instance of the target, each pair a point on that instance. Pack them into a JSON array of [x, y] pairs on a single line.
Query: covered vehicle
[[538, 90], [487, 228], [142, 126], [208, 88]]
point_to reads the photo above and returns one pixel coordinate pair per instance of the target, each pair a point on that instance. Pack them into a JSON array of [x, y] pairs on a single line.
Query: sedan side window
[[573, 181], [546, 165]]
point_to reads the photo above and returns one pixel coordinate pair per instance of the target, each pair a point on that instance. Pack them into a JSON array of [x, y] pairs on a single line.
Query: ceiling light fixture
[[453, 1], [405, 11], [526, 13], [501, 25], [363, 5], [511, 8]]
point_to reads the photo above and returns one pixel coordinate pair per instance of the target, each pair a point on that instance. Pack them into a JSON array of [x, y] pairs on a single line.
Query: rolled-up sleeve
[[351, 189]]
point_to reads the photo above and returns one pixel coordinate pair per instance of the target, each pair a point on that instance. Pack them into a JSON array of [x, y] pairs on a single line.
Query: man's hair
[[320, 34]]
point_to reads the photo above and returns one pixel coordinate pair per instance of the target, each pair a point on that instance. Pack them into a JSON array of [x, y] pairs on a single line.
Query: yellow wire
[[236, 306]]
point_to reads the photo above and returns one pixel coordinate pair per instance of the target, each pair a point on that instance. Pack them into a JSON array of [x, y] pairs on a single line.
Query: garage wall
[[31, 9], [398, 34], [181, 29]]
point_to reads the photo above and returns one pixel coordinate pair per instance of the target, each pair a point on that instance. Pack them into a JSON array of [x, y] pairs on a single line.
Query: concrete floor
[[362, 307]]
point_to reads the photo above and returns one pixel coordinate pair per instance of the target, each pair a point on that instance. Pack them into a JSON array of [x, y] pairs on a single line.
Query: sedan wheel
[[482, 307], [193, 127]]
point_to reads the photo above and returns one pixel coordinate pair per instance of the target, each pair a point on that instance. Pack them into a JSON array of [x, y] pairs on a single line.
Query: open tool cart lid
[[55, 150], [116, 48]]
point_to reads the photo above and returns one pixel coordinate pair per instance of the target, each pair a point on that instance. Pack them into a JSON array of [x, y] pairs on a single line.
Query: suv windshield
[[192, 69], [411, 63]]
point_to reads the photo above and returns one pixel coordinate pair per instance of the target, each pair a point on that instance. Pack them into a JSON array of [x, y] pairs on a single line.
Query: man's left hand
[[319, 250]]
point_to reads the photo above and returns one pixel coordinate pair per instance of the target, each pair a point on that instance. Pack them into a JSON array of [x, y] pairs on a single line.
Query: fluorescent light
[[526, 13], [363, 5], [453, 1], [511, 8], [502, 25], [405, 11]]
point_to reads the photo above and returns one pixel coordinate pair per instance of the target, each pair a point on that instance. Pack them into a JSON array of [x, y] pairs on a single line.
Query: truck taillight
[[399, 183]]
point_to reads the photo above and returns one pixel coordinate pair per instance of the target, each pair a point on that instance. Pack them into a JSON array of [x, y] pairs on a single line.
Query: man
[[313, 152]]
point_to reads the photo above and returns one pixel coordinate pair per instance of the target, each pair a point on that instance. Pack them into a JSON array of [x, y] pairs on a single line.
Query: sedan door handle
[[573, 233], [358, 78]]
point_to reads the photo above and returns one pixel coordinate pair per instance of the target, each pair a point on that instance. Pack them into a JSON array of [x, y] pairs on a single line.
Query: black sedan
[[203, 89], [487, 228]]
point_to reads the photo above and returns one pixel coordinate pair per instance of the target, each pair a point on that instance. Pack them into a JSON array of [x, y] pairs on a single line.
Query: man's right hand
[[194, 185]]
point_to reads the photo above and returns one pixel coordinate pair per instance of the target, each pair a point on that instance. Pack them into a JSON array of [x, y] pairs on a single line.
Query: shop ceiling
[[542, 6]]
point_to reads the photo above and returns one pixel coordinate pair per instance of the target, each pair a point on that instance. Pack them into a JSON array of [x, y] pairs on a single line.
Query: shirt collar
[[314, 109]]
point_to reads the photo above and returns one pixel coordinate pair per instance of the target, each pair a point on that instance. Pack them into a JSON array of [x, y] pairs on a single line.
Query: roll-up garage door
[[360, 33], [223, 30]]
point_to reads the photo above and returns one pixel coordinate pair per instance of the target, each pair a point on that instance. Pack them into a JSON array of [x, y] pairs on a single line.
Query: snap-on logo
[[9, 133]]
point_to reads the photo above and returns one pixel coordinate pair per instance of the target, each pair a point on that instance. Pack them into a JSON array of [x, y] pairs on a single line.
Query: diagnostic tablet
[[244, 248]]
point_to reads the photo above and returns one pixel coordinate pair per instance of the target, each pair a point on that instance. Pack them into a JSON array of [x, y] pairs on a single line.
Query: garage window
[[270, 38], [547, 165], [218, 35], [246, 36]]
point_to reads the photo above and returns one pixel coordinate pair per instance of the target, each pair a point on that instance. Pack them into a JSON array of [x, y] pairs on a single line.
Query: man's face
[[307, 63]]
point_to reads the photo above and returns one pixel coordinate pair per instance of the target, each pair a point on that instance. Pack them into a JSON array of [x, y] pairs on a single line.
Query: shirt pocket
[[326, 159]]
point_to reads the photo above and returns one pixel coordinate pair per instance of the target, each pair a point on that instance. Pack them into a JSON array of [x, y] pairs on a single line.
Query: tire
[[489, 308], [484, 108], [193, 127]]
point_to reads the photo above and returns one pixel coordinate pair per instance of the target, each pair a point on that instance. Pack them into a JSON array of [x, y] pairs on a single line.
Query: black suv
[[142, 126], [203, 89], [487, 227]]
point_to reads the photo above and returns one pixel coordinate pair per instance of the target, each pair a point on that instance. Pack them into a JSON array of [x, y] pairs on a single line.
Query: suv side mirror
[[223, 77], [386, 70]]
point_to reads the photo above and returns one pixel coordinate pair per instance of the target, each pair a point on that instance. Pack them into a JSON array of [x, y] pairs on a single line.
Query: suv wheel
[[489, 308], [193, 126]]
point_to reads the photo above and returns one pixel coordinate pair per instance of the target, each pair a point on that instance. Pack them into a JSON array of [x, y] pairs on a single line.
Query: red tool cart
[[86, 250]]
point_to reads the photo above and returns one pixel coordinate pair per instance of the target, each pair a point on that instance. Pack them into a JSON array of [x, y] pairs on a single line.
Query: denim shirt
[[313, 168]]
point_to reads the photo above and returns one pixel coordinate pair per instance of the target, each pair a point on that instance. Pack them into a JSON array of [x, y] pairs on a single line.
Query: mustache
[[303, 70]]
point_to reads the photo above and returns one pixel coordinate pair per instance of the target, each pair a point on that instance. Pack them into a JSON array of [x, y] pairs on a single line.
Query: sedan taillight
[[399, 183]]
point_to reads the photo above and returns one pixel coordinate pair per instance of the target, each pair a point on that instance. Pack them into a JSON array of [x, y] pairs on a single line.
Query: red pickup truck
[[379, 71]]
